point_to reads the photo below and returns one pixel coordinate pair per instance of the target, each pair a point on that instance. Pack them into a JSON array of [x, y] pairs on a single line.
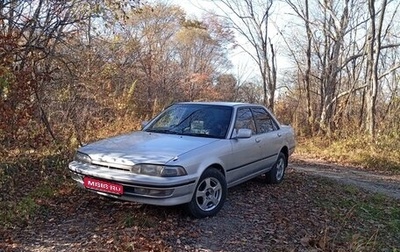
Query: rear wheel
[[210, 194], [276, 174]]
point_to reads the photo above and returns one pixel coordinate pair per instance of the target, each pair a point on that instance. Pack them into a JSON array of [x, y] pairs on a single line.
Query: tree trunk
[[374, 49], [331, 70], [310, 114]]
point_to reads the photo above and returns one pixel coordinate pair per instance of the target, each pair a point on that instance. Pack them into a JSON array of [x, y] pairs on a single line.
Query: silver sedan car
[[189, 154]]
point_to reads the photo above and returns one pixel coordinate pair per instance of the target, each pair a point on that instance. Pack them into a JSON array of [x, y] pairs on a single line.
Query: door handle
[[279, 134], [258, 140]]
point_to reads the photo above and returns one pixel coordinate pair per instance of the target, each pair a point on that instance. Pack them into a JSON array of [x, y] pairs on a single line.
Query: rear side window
[[264, 121]]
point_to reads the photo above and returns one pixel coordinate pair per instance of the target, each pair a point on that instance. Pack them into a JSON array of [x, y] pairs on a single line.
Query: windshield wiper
[[200, 135], [165, 131]]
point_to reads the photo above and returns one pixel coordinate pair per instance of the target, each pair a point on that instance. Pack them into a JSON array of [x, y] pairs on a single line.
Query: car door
[[268, 136], [245, 158]]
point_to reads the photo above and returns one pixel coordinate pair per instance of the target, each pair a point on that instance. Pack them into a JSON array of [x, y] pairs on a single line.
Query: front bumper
[[163, 191]]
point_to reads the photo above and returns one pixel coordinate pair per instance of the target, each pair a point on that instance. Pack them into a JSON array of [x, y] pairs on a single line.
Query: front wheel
[[209, 196], [276, 174]]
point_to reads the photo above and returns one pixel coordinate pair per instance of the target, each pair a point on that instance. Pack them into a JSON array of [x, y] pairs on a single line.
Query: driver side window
[[244, 120]]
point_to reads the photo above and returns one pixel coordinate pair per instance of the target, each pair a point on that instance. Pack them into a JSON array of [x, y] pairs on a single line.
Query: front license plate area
[[103, 186]]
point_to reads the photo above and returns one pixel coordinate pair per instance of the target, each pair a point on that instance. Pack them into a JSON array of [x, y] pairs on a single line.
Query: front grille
[[113, 166]]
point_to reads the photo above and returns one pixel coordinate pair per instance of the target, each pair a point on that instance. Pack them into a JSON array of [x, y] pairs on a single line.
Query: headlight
[[159, 170], [83, 158]]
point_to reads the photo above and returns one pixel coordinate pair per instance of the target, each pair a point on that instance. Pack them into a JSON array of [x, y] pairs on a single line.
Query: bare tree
[[250, 18], [334, 57], [304, 13], [373, 51]]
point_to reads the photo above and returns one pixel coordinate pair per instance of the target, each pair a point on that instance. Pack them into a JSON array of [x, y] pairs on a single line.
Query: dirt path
[[371, 181]]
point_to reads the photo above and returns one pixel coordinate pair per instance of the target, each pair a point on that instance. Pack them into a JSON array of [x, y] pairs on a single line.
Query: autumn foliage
[[20, 123], [71, 73]]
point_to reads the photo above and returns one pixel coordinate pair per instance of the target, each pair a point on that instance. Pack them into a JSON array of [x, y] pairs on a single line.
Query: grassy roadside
[[383, 155], [365, 221]]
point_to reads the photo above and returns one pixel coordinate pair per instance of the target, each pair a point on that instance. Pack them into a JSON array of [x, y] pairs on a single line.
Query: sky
[[243, 65]]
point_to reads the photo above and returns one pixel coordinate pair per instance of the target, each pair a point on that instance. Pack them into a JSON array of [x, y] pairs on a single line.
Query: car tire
[[209, 196], [276, 174]]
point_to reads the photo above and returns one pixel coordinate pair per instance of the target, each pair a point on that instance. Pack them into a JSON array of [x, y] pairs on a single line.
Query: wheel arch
[[285, 151], [217, 167]]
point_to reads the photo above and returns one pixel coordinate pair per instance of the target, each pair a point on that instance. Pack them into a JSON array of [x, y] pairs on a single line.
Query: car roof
[[220, 103]]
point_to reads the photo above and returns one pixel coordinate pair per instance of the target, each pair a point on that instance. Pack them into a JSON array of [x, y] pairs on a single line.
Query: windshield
[[194, 120]]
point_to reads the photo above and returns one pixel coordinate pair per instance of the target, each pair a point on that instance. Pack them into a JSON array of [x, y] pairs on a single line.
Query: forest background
[[75, 71]]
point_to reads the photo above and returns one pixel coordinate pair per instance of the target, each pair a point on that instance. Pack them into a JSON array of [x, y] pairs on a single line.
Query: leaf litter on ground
[[304, 213]]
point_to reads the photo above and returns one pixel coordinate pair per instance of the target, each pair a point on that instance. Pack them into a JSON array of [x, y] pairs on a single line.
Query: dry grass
[[381, 155]]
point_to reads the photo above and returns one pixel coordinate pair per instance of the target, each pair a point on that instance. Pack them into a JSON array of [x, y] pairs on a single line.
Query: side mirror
[[243, 133]]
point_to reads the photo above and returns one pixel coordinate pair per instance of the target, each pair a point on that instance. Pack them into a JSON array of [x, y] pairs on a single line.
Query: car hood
[[143, 147]]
